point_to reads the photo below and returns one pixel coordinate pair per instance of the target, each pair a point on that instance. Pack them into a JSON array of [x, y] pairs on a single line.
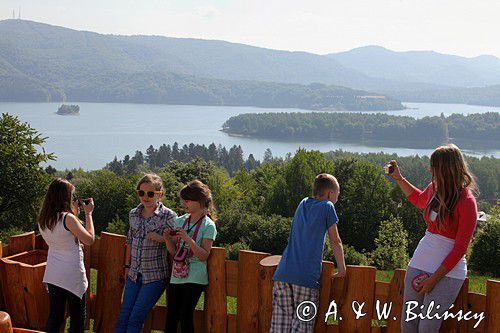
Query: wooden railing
[[246, 279]]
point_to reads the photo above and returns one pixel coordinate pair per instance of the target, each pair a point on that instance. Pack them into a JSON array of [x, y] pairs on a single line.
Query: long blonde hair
[[450, 175]]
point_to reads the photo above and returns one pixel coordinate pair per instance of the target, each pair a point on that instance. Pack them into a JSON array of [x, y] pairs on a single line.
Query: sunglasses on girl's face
[[150, 194]]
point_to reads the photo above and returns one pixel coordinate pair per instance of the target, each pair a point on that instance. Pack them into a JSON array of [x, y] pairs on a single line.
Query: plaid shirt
[[148, 257]]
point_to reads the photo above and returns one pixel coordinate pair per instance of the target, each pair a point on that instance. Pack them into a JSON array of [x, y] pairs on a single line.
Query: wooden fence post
[[324, 296], [268, 266], [247, 317], [360, 289], [215, 306], [396, 291], [109, 281], [21, 243], [5, 323], [492, 306]]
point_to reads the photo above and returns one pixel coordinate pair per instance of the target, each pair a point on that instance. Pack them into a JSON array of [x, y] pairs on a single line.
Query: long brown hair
[[58, 199], [197, 191], [450, 175]]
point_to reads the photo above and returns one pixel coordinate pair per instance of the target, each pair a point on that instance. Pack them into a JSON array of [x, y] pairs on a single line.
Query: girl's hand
[[427, 285], [88, 209], [169, 237], [181, 233], [396, 175]]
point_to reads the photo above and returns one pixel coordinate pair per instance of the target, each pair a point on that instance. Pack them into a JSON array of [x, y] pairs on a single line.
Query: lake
[[103, 131]]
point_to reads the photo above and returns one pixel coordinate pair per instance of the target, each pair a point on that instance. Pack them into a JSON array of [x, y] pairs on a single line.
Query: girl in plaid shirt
[[145, 267]]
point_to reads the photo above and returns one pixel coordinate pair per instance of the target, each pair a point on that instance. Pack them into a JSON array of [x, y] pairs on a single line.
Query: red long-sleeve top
[[462, 228]]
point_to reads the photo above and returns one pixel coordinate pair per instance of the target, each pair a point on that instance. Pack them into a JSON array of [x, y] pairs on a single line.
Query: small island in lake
[[68, 110]]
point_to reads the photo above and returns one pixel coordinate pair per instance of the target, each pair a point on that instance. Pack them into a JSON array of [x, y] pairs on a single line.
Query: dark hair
[[197, 191], [58, 199], [151, 178], [323, 183]]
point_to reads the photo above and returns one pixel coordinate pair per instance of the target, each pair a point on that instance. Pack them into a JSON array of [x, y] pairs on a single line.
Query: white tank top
[[65, 267]]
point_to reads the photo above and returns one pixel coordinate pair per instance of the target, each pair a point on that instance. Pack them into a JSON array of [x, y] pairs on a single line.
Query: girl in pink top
[[438, 267]]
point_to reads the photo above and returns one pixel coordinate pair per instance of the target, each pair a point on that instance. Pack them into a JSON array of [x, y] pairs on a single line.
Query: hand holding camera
[[392, 170], [88, 205]]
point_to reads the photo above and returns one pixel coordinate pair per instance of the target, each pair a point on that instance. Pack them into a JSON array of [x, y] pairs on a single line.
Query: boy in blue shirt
[[297, 277]]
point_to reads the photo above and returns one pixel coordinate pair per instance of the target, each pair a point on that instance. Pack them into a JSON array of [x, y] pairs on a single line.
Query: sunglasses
[[150, 194]]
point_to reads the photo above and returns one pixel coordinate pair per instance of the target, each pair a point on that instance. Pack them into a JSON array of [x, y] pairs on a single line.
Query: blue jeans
[[138, 300]]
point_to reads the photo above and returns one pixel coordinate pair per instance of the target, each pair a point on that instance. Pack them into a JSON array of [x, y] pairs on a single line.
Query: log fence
[[249, 280]]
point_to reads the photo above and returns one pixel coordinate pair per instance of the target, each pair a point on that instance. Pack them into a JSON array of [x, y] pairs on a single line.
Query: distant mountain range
[[43, 62]]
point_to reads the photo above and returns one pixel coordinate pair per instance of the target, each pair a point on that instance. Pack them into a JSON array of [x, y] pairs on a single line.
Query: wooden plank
[[5, 323], [360, 289], [453, 325], [5, 251], [21, 243], [248, 299], [325, 288], [492, 306], [13, 295], [267, 268], [231, 323], [232, 278], [158, 317], [40, 243], [395, 296], [94, 254], [35, 295], [87, 254], [215, 294], [109, 281], [476, 303], [382, 291]]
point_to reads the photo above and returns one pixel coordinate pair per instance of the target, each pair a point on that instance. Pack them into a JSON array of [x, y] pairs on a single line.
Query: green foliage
[[351, 256], [117, 226], [114, 196], [10, 231], [485, 254], [364, 202], [233, 249], [391, 130], [392, 243], [22, 177]]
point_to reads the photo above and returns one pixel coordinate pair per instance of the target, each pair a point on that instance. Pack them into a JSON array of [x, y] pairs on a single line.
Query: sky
[[461, 27]]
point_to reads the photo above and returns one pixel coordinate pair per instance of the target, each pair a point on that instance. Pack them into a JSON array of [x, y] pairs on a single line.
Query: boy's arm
[[338, 250]]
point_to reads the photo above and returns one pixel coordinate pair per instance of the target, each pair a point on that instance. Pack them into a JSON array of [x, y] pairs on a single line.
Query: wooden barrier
[[493, 306], [360, 289], [215, 307], [268, 266], [247, 310], [324, 298], [5, 323], [21, 243], [249, 279], [109, 281]]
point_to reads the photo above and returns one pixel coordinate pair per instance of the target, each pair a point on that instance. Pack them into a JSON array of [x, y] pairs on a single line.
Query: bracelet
[[126, 266]]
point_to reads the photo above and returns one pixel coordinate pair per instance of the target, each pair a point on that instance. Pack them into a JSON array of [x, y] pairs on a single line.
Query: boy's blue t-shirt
[[301, 260]]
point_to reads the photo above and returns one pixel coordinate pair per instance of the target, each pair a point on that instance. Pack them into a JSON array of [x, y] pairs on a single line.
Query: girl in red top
[[438, 268]]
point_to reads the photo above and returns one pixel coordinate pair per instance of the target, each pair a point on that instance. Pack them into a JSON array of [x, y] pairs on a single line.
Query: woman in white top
[[65, 271]]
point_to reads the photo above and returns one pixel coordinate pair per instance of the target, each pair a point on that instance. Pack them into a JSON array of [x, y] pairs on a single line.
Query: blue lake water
[[103, 131]]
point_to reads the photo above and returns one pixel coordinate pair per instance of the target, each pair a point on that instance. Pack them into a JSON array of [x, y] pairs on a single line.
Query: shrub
[[391, 245], [233, 249], [485, 254], [351, 256]]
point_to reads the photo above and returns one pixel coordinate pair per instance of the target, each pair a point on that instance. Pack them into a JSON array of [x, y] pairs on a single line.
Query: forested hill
[[394, 131], [39, 62]]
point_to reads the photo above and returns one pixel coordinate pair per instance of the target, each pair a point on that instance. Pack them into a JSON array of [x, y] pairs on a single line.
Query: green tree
[[485, 254], [22, 176], [392, 243]]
